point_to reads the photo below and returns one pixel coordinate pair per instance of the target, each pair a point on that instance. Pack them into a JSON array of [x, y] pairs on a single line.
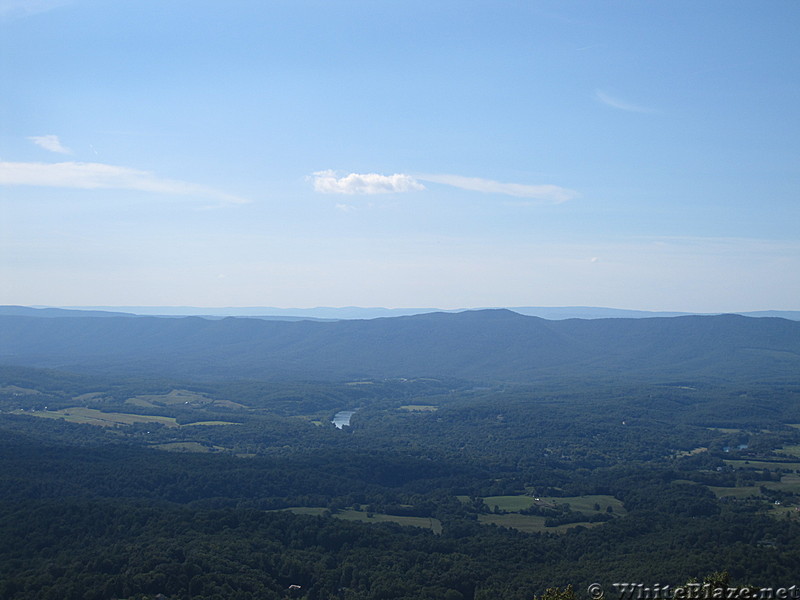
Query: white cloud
[[89, 176], [619, 104], [12, 9], [51, 143], [326, 182], [549, 193]]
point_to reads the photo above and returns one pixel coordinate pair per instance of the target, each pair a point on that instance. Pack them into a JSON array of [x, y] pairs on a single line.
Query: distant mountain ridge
[[490, 345], [357, 312], [54, 313]]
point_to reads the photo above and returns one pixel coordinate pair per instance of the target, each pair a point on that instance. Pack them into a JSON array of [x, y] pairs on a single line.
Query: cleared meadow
[[359, 515], [763, 464], [585, 504], [92, 416]]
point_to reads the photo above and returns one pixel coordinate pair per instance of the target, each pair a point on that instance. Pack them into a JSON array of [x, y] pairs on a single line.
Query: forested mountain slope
[[491, 345]]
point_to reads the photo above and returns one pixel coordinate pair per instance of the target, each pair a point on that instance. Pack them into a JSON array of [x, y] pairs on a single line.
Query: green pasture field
[[93, 416], [791, 451], [359, 515], [735, 492], [15, 389], [788, 483], [762, 464], [314, 511], [228, 404], [187, 447], [174, 397], [509, 503], [584, 504]]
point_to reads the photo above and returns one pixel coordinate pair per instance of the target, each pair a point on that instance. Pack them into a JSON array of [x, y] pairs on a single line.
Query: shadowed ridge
[[489, 345]]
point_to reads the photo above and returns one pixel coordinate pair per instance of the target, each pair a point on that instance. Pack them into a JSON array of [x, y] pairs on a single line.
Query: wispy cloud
[[14, 9], [546, 192], [613, 102], [89, 176], [51, 143], [326, 182]]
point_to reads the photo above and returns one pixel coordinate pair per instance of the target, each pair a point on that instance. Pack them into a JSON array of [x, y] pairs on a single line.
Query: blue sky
[[399, 153]]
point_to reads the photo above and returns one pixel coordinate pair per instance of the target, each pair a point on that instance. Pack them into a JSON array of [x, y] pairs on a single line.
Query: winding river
[[342, 418]]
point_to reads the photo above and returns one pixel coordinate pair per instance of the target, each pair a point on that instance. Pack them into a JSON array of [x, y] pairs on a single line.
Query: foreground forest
[[440, 487]]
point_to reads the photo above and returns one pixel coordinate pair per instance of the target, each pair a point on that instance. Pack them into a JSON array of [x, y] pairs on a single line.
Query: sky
[[403, 153]]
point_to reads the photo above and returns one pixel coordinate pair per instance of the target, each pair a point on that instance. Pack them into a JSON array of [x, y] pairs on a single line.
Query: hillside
[[492, 345]]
